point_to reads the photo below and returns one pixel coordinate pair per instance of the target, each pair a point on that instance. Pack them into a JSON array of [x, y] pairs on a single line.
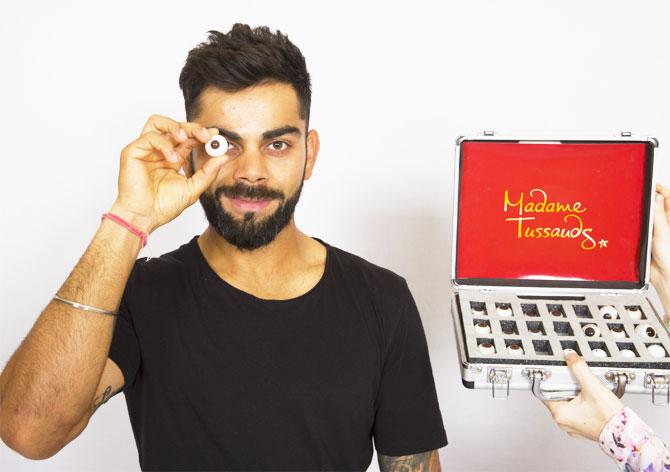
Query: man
[[252, 346]]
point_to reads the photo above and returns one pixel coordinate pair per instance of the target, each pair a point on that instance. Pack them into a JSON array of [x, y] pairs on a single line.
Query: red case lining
[[603, 185]]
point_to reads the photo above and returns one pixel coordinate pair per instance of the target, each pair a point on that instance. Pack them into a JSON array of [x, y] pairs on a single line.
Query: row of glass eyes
[[590, 330], [607, 312], [654, 350], [218, 146]]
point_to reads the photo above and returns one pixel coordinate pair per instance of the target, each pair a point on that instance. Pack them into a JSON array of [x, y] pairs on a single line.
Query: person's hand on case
[[586, 415]]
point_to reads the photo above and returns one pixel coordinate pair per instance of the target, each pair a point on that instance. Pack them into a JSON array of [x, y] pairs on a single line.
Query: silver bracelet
[[86, 307]]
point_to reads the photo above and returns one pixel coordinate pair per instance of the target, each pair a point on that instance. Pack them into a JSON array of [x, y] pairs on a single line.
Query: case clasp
[[499, 379], [658, 383]]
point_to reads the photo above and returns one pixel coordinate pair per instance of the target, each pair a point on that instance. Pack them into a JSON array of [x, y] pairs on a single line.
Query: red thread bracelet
[[141, 234]]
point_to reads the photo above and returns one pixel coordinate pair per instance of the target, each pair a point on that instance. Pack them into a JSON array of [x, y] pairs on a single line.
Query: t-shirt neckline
[[220, 282]]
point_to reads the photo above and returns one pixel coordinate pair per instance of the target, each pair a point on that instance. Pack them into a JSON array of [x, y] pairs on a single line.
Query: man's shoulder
[[166, 264], [376, 277]]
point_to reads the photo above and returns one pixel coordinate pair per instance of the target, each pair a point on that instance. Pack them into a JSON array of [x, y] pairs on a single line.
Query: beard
[[251, 232]]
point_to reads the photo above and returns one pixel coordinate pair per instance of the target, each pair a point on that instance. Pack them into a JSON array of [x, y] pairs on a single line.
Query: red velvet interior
[[596, 186]]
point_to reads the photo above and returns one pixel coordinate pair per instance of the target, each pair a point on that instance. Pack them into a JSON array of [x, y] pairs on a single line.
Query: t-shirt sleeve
[[407, 418], [125, 348]]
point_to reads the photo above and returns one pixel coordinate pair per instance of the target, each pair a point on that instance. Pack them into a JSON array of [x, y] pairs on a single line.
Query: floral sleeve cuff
[[633, 445]]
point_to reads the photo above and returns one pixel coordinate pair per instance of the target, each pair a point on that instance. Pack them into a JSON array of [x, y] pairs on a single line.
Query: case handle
[[536, 376]]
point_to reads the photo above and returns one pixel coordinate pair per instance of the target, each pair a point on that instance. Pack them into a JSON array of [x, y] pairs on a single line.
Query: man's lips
[[249, 205]]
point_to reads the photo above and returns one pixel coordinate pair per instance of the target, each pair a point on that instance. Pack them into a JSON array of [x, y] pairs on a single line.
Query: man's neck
[[291, 247]]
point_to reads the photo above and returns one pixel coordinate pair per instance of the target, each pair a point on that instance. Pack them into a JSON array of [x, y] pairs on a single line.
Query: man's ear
[[313, 145]]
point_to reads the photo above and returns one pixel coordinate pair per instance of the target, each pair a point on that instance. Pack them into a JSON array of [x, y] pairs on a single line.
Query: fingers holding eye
[[185, 148]]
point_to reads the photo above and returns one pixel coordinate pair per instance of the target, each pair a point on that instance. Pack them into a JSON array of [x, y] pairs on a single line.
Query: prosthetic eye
[[634, 312], [487, 348], [504, 309], [645, 331], [217, 146], [482, 328], [591, 331], [599, 352], [515, 349], [655, 350], [617, 332], [608, 312]]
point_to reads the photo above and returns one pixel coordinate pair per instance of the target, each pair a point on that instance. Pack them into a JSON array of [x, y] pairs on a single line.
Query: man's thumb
[[206, 175]]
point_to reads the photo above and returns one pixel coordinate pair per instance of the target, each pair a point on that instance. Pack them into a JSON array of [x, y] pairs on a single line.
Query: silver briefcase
[[551, 252]]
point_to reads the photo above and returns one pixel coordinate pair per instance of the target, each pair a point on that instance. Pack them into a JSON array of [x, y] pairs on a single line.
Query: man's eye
[[279, 145]]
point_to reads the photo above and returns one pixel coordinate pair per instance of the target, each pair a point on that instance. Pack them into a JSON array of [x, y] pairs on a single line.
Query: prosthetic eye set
[[540, 270]]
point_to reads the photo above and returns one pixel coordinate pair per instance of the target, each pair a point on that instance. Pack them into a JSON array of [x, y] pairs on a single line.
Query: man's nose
[[250, 167]]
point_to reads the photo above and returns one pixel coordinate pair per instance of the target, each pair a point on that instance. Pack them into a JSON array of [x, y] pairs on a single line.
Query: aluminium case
[[546, 373]]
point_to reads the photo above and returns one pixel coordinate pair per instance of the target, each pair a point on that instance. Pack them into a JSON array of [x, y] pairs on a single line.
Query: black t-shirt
[[218, 379]]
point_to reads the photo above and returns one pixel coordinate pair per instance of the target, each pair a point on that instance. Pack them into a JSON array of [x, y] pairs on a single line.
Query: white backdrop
[[393, 86]]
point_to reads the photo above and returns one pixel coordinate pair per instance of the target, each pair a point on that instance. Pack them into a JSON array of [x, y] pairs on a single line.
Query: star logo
[[602, 243]]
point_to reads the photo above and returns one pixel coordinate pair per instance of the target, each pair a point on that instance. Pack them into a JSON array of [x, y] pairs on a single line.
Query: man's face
[[255, 193]]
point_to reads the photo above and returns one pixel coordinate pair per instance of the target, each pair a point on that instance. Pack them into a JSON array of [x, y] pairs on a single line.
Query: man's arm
[[50, 384], [422, 462]]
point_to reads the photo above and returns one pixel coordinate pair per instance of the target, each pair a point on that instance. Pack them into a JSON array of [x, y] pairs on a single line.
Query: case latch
[[658, 383], [499, 379]]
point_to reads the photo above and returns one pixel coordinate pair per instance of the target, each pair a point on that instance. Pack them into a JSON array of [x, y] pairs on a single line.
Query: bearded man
[[252, 346]]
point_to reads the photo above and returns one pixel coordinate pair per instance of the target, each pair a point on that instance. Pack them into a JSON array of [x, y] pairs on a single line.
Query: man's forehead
[[251, 111]]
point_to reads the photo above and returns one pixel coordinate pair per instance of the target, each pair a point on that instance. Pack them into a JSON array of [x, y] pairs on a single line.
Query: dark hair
[[241, 58]]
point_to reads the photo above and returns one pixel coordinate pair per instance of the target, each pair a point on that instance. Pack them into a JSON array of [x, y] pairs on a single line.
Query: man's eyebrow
[[275, 133], [270, 134], [229, 135]]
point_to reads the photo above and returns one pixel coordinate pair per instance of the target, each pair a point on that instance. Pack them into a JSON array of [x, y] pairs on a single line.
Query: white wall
[[392, 88]]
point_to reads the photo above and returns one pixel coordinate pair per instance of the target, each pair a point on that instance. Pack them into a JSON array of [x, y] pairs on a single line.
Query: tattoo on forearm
[[106, 395], [424, 462]]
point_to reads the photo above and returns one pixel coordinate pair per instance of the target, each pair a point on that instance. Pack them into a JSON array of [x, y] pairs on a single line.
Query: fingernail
[[659, 198], [182, 134], [174, 157], [571, 356]]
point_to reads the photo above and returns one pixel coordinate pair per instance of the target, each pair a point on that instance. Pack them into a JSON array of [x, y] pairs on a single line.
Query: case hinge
[[658, 383], [499, 379]]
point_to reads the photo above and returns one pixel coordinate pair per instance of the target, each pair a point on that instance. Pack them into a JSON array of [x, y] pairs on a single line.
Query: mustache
[[252, 192]]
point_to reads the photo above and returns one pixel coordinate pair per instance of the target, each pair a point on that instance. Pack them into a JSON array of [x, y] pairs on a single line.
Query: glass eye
[[216, 146]]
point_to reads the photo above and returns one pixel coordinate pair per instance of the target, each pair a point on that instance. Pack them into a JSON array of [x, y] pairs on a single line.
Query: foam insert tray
[[561, 332]]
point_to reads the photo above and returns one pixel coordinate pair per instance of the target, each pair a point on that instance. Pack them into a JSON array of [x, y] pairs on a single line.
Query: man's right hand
[[150, 187]]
